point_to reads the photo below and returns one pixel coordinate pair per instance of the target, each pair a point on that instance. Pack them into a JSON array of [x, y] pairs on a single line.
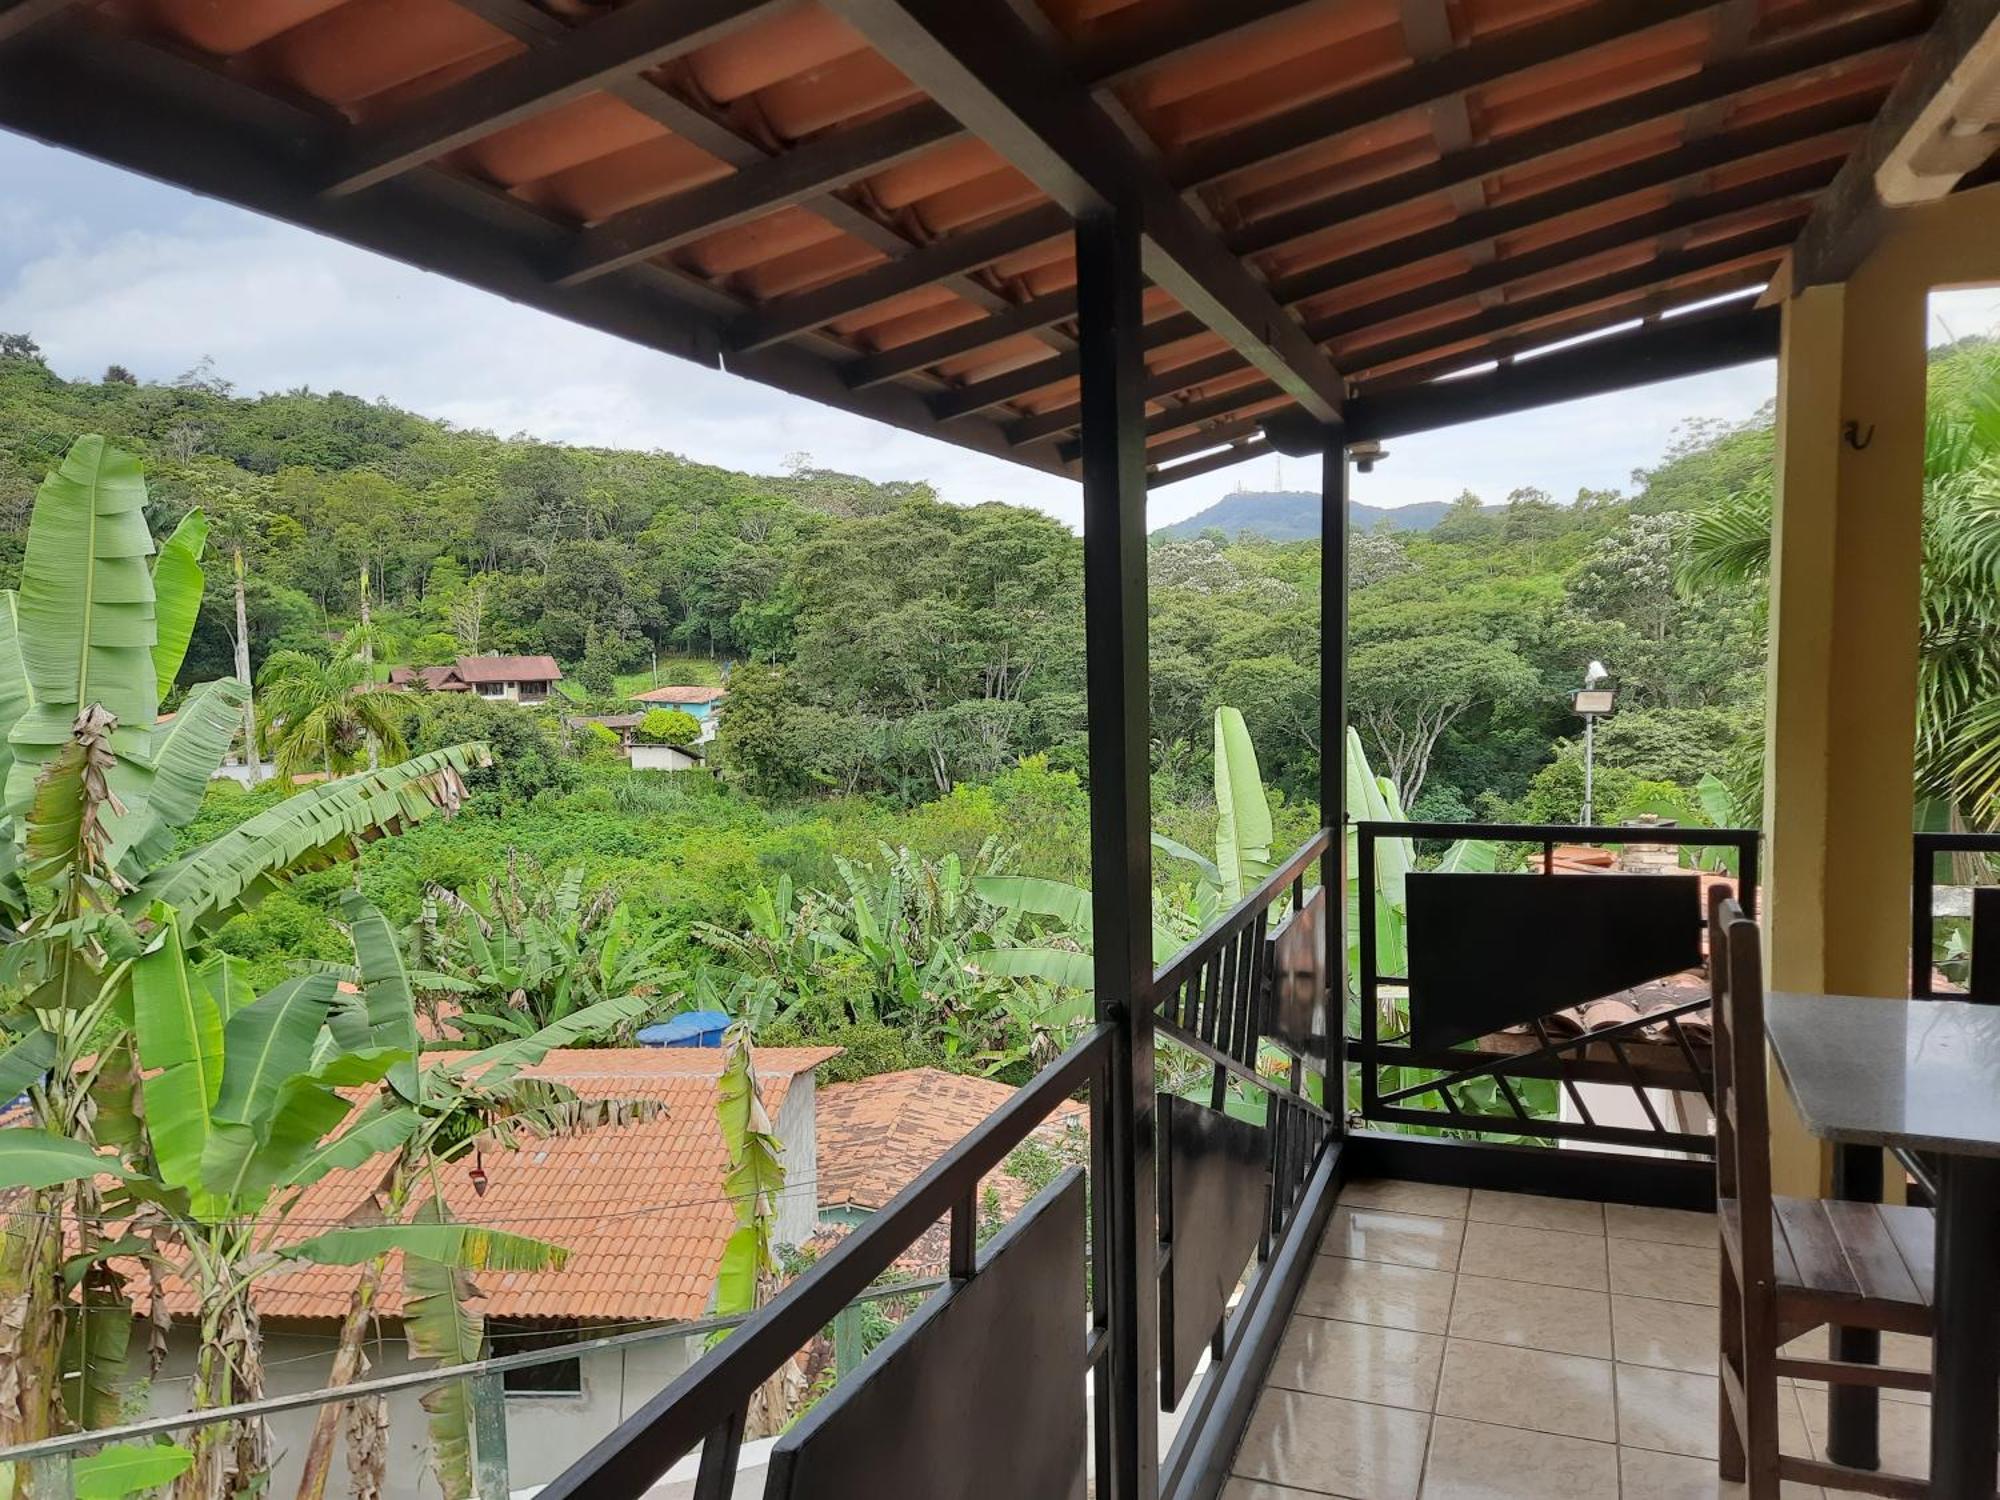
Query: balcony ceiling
[[868, 201]]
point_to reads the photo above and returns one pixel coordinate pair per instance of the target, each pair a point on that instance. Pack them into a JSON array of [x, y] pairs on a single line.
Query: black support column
[[1114, 575], [1333, 748]]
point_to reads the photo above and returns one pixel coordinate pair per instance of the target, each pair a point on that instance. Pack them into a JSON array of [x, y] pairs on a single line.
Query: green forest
[[905, 676]]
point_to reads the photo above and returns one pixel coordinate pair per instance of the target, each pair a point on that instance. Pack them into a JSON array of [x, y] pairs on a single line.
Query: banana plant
[[94, 789], [527, 951], [427, 1119]]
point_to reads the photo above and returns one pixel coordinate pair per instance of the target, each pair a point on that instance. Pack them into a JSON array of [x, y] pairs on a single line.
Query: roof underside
[[1344, 199]]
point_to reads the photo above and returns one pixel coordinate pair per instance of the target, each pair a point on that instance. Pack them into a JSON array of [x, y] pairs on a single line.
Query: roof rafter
[[1060, 419], [1839, 43], [1612, 188], [642, 35], [1119, 52], [1010, 91], [1424, 84], [907, 359], [1689, 345], [1961, 52], [795, 176]]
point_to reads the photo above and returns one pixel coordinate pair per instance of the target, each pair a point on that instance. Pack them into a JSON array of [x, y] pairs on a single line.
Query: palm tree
[[320, 711], [1958, 706]]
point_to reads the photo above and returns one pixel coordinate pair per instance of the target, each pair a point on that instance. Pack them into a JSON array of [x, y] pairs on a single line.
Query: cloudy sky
[[102, 266]]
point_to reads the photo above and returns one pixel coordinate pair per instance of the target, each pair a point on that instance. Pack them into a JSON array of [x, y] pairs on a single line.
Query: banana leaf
[[376, 1130], [179, 1031], [86, 616], [1470, 857], [31, 1159], [52, 830], [242, 1163], [1175, 849], [319, 827], [440, 1325], [464, 1247], [388, 1013], [127, 1469], [30, 1055], [495, 1064], [185, 753], [1067, 904], [1075, 971], [16, 697], [177, 588], [1243, 812], [268, 1043]]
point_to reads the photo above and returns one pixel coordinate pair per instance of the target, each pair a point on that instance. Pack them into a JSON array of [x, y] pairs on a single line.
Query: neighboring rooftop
[[877, 1134], [475, 671], [680, 694], [639, 1206]]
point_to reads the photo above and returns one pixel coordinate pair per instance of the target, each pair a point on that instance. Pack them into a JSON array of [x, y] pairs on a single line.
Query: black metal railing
[[1250, 997], [1981, 981], [706, 1406], [1475, 1088]]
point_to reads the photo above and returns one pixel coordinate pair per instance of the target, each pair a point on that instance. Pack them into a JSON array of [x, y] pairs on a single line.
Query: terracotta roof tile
[[876, 1135], [639, 1206]]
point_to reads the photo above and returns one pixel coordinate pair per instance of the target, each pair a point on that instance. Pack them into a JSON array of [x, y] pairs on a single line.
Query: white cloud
[[102, 266]]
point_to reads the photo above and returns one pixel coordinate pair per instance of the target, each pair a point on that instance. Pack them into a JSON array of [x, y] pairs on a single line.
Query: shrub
[[667, 726]]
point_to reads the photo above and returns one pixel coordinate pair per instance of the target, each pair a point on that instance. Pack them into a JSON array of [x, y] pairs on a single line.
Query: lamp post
[[1591, 703]]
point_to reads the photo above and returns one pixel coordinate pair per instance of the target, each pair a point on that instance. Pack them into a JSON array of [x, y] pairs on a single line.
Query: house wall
[[662, 758], [798, 1134], [545, 1433]]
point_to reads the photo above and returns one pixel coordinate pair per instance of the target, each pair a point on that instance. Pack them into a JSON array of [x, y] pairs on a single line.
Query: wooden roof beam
[[1012, 93], [981, 394], [1424, 84], [1124, 49], [1838, 43], [1691, 345], [1712, 209], [1060, 419], [1683, 163], [641, 35], [786, 317], [795, 176], [1208, 463], [1940, 122], [907, 359]]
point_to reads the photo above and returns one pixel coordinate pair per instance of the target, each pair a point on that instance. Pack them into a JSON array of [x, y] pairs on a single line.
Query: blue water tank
[[693, 1028]]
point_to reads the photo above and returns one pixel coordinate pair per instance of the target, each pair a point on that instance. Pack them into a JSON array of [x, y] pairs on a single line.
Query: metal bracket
[[1852, 435]]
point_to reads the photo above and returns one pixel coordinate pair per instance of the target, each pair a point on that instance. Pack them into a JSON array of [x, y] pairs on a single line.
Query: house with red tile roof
[[514, 679], [704, 704], [638, 1205]]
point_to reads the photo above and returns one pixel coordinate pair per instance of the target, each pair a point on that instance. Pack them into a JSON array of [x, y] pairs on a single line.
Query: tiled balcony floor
[[1461, 1345]]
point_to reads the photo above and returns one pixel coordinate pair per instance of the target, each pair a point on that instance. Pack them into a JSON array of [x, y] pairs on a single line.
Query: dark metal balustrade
[[1494, 952]]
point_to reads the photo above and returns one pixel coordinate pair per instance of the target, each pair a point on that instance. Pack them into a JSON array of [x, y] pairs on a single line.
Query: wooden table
[[1923, 1075]]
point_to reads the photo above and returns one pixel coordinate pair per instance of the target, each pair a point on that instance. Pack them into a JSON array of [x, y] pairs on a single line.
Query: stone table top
[[1870, 1072]]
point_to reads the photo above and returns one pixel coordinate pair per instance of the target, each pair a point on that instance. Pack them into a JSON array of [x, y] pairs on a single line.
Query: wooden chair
[[1790, 1265]]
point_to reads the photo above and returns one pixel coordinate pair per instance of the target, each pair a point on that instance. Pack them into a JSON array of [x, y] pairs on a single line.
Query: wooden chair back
[[1742, 1099]]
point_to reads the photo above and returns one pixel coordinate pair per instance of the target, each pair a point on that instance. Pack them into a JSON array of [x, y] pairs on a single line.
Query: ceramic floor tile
[[1332, 1447], [1550, 1257], [1528, 1388], [1405, 1197], [1532, 1211], [1391, 1366], [1557, 1318], [1674, 1273], [1401, 1239], [1667, 1335], [1905, 1434], [1667, 1410], [1366, 1291], [1668, 1226], [1477, 1461], [1252, 1489], [1645, 1475]]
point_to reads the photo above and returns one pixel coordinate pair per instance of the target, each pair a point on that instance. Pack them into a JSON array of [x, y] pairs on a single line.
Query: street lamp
[[1591, 702]]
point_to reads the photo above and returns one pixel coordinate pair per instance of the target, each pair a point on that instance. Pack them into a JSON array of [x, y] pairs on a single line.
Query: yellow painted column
[[1846, 569]]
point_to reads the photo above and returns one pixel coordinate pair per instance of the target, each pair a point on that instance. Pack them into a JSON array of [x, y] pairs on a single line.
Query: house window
[[492, 690], [557, 1377]]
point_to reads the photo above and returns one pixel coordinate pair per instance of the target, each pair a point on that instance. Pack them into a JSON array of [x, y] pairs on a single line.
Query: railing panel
[[1464, 1039], [1980, 982], [1212, 1221]]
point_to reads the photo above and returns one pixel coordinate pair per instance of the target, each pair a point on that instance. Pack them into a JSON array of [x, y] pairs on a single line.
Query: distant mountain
[[1293, 516]]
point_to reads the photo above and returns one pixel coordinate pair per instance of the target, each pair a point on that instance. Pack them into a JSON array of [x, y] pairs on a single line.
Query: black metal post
[[1853, 1412], [1923, 881], [1109, 320], [1333, 755], [1966, 1348]]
